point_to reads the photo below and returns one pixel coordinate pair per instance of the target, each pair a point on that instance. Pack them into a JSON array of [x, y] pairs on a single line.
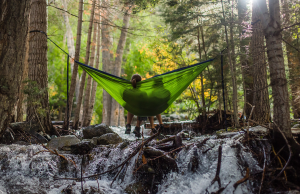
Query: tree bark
[[245, 63], [20, 106], [114, 118], [75, 68], [293, 62], [261, 113], [272, 30], [37, 101], [14, 25], [86, 105], [87, 57], [233, 77], [106, 44], [94, 88]]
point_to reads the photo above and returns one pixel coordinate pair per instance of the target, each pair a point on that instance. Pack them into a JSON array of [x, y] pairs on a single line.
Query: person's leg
[[138, 123], [128, 125], [159, 119], [129, 118], [151, 120]]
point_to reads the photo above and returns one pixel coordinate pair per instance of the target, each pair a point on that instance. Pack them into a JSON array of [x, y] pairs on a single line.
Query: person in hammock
[[139, 99]]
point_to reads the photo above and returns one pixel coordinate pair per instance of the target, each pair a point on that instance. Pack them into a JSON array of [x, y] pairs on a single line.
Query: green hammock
[[151, 96]]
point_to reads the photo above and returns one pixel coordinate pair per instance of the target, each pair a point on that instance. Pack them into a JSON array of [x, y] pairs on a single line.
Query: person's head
[[135, 78]]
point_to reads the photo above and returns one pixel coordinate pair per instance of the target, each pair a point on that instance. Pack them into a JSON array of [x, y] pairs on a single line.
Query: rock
[[136, 188], [95, 131], [123, 145], [174, 117], [109, 138], [82, 148], [21, 143], [53, 136], [7, 138], [296, 126], [63, 141]]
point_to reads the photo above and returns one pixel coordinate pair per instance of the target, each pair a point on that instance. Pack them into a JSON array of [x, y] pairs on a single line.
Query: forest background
[[258, 40]]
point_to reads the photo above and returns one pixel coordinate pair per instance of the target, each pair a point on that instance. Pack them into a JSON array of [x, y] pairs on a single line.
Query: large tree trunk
[[272, 30], [87, 57], [106, 111], [261, 112], [87, 94], [94, 88], [75, 68], [37, 101], [293, 61], [114, 119], [14, 25]]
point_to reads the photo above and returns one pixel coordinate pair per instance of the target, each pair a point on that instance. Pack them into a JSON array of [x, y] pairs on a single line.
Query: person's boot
[[157, 127], [137, 132], [128, 129]]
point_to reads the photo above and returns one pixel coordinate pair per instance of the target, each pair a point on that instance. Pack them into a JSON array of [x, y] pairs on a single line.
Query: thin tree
[[37, 101], [14, 25], [83, 76], [94, 88], [106, 45], [245, 63], [233, 76], [87, 94], [261, 112], [75, 68], [118, 62], [293, 60]]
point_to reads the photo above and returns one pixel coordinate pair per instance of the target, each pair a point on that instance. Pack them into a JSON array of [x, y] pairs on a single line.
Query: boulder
[[109, 138], [296, 126], [63, 141], [82, 148], [95, 131]]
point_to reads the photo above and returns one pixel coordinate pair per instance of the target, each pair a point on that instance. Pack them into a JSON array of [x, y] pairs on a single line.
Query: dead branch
[[290, 155], [217, 177], [246, 177], [129, 157], [221, 189]]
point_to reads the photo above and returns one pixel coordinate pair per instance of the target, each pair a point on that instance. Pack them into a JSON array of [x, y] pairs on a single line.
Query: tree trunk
[[106, 111], [14, 25], [86, 105], [22, 97], [94, 88], [245, 67], [118, 62], [233, 77], [75, 68], [87, 57], [272, 31], [38, 103], [293, 62], [261, 112]]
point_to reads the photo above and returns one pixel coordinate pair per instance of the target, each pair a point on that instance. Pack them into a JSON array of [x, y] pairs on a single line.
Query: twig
[[221, 189], [276, 156], [129, 157], [264, 170], [243, 179], [248, 121], [260, 124], [290, 155], [162, 156], [39, 119], [217, 177]]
